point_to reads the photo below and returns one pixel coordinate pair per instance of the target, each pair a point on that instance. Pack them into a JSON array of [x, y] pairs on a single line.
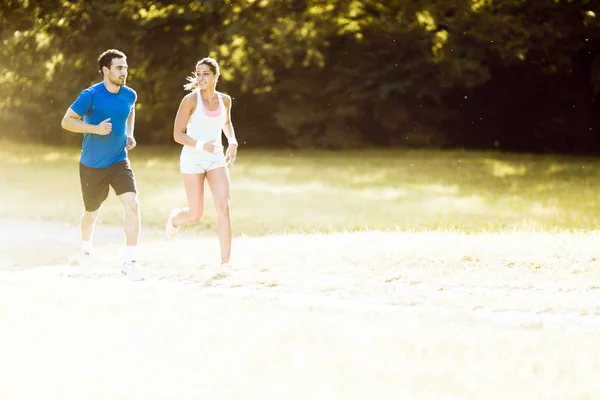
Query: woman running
[[202, 115]]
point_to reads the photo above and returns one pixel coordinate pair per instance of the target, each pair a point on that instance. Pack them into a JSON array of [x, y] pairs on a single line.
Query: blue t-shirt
[[95, 104]]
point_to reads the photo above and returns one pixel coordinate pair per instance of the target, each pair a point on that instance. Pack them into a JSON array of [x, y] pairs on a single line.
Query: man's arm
[[131, 143], [131, 122], [74, 123]]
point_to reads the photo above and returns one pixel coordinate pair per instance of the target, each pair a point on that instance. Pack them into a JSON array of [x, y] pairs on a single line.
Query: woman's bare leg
[[194, 190], [220, 186]]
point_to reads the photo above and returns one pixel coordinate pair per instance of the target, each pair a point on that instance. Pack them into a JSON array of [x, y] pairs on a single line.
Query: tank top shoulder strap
[[220, 95]]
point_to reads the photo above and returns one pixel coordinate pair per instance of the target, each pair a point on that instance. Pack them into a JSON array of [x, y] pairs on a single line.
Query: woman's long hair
[[193, 79]]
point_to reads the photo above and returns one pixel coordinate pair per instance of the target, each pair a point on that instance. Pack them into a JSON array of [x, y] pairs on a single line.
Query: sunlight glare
[[502, 169]]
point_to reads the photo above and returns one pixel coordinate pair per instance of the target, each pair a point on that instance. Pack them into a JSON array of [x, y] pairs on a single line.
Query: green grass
[[290, 191]]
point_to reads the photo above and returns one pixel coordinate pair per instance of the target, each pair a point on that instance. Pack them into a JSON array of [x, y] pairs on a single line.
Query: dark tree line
[[509, 74]]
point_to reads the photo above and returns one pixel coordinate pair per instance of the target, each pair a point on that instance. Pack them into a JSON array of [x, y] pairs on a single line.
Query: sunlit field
[[359, 274], [289, 191]]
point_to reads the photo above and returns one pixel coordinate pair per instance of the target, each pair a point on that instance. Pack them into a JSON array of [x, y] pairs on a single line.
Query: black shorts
[[95, 183]]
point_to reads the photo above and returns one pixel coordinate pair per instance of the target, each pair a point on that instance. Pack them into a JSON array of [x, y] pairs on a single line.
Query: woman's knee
[[195, 215], [223, 207]]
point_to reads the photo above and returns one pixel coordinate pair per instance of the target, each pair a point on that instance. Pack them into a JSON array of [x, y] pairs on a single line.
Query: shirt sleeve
[[83, 104]]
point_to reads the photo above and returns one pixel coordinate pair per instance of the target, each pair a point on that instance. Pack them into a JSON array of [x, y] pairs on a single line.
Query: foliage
[[308, 73]]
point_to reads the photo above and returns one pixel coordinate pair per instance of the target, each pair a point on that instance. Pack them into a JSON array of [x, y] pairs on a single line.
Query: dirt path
[[354, 316]]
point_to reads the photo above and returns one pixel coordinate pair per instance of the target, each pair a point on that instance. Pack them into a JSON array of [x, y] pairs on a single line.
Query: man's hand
[[131, 142], [231, 153], [103, 128]]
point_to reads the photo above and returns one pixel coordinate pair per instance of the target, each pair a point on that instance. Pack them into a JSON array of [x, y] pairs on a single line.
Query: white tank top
[[205, 125]]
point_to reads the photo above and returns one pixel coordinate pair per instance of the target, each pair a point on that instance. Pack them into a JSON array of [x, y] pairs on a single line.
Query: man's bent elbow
[[64, 123]]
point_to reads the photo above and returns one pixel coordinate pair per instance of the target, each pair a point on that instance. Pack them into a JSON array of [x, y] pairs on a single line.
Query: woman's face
[[206, 78]]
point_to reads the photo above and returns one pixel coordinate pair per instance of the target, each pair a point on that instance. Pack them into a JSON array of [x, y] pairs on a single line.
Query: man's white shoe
[[170, 229], [132, 271], [85, 262]]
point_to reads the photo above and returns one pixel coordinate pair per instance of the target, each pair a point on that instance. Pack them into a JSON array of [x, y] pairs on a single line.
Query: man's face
[[117, 74]]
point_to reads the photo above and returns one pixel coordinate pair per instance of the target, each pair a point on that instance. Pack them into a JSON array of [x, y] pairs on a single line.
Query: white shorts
[[201, 167]]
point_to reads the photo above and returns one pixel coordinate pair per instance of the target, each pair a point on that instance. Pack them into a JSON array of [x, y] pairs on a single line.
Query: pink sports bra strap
[[211, 113]]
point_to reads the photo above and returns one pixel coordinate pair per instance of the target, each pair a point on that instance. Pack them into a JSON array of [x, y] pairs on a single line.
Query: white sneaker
[[85, 262], [132, 271], [170, 229], [227, 268], [224, 270]]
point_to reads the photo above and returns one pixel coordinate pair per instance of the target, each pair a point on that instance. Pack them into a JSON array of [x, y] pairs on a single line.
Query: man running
[[105, 114]]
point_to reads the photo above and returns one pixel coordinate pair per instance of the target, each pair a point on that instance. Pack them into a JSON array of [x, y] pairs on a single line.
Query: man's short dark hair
[[105, 59]]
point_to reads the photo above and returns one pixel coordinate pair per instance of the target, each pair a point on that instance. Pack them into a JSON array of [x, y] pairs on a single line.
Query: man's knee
[[90, 217], [131, 205]]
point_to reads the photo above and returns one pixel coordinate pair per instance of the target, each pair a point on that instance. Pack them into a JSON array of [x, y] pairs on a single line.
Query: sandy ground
[[343, 316]]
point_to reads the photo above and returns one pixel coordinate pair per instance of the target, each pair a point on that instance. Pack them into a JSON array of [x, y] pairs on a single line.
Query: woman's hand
[[210, 147], [231, 154]]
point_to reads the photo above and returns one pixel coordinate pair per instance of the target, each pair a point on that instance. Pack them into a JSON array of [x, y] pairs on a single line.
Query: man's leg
[[123, 182], [94, 190], [132, 218], [88, 224], [132, 233]]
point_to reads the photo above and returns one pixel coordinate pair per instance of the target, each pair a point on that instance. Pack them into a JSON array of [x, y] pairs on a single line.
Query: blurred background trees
[[509, 74]]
